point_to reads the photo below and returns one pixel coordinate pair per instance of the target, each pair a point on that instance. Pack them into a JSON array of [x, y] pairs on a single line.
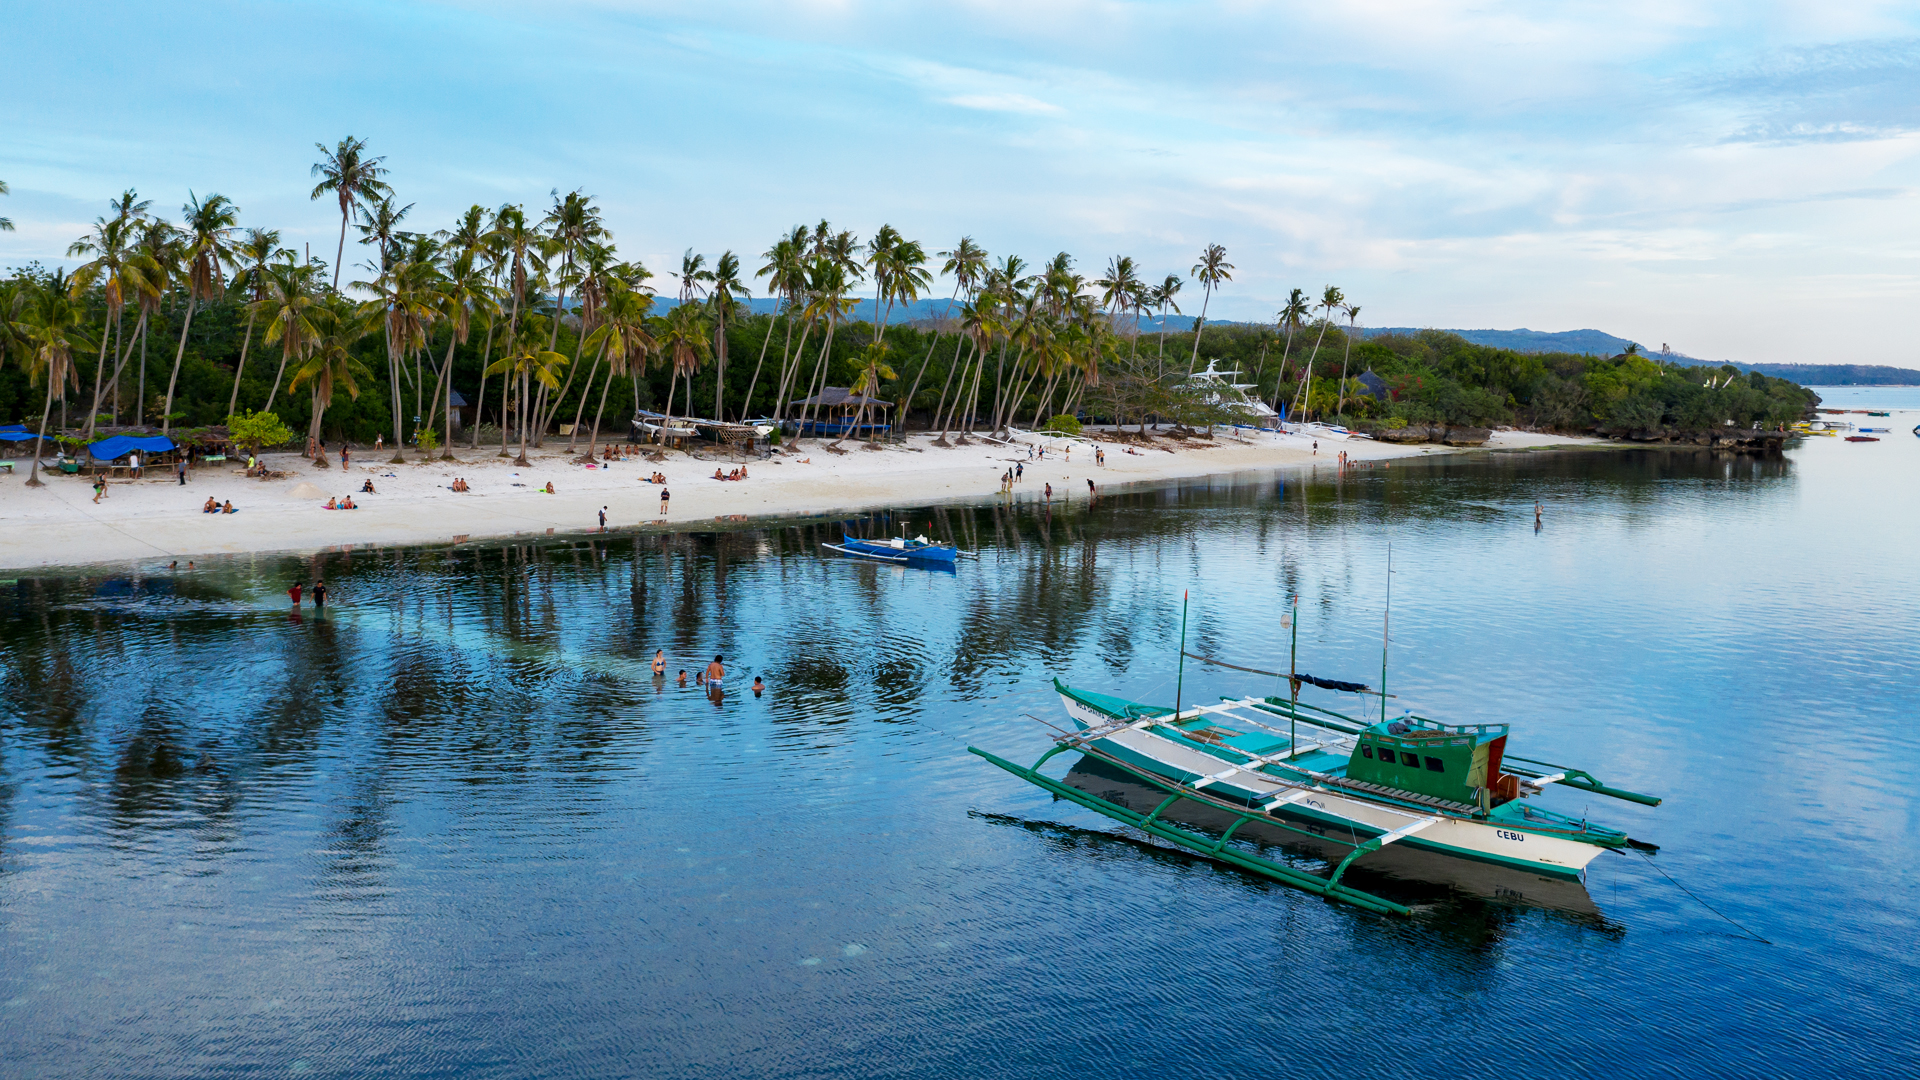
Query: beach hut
[[1376, 386], [155, 450], [835, 408]]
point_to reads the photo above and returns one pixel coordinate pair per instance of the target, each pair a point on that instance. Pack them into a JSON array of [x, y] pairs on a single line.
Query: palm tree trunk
[[275, 392], [140, 399], [33, 475], [99, 367], [940, 410], [826, 361], [789, 369], [506, 409], [239, 369], [604, 387], [526, 417], [395, 363], [906, 403], [1284, 354], [673, 383], [719, 365], [1306, 378], [1341, 408], [754, 382], [574, 435], [340, 249], [446, 445], [1197, 324], [481, 398], [179, 354]]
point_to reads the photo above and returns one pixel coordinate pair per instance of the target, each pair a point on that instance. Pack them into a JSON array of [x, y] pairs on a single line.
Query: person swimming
[[758, 686], [716, 672]]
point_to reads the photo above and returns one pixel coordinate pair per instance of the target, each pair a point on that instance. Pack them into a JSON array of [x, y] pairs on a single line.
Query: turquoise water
[[454, 828]]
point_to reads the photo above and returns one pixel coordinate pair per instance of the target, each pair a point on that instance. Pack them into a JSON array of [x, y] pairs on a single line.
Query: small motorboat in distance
[[1862, 438]]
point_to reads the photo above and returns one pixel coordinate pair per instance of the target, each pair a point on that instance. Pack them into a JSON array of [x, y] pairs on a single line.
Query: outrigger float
[[1452, 789]]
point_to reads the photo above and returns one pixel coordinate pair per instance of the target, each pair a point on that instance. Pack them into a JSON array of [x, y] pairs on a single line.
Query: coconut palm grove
[[526, 320]]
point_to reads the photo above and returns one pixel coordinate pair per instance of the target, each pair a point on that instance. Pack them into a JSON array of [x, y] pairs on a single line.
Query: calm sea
[[454, 828]]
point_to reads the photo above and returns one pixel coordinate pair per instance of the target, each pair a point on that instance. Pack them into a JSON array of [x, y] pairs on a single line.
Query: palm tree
[[208, 251], [379, 227], [867, 373], [574, 226], [724, 283], [160, 244], [1292, 317], [1330, 302], [349, 174], [464, 290], [6, 224], [965, 263], [120, 268], [1162, 298], [292, 290], [252, 254], [405, 296], [51, 329], [1353, 315], [1212, 271], [786, 276], [330, 366], [515, 241], [682, 335], [622, 340], [532, 364]]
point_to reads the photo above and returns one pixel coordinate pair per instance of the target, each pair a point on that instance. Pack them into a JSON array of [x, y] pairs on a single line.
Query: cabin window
[[1410, 759], [1366, 751], [1434, 764]]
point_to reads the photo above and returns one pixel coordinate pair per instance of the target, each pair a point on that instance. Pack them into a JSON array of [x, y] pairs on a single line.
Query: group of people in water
[[736, 474], [711, 678], [215, 506]]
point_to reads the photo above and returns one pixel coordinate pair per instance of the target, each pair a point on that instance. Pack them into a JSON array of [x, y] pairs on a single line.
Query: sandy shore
[[156, 518]]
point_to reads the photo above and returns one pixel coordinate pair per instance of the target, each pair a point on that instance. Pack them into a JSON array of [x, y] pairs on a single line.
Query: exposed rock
[[1467, 436]]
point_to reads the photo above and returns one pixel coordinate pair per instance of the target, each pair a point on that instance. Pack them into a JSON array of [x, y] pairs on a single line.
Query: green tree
[[724, 289], [351, 176], [252, 255], [869, 370], [292, 290], [206, 253], [1353, 316], [6, 224], [1212, 271], [257, 429], [330, 366], [51, 331], [623, 342]]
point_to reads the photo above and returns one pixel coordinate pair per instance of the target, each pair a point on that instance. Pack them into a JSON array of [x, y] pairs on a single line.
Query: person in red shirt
[[295, 593]]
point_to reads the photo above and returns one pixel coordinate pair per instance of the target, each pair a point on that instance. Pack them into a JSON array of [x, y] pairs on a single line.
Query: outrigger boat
[[1451, 789], [899, 549]]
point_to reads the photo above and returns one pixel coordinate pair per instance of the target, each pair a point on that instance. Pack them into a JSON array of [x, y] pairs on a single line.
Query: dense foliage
[[538, 324]]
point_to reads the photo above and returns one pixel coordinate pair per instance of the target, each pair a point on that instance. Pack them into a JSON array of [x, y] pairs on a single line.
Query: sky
[[1737, 180]]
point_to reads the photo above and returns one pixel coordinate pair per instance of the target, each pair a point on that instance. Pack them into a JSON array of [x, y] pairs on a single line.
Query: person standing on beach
[[99, 488], [664, 496], [295, 593], [603, 519], [1049, 492], [319, 594], [1019, 471], [133, 463], [343, 455], [181, 468], [1090, 491]]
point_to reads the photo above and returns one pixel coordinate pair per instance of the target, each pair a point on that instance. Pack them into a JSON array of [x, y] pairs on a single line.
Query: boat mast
[[1293, 656], [1180, 678], [1386, 627]]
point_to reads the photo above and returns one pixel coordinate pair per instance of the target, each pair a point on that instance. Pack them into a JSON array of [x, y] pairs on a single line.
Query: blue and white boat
[[898, 549]]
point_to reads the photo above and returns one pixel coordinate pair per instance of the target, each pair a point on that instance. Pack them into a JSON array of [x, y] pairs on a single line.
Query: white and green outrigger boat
[[1452, 789]]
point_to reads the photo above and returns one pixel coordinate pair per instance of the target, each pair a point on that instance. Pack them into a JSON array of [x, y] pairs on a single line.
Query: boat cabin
[[1456, 763]]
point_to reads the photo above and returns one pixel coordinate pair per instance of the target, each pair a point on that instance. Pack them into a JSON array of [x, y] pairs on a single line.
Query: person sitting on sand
[[332, 505], [367, 488], [228, 509], [210, 506], [347, 504], [717, 476]]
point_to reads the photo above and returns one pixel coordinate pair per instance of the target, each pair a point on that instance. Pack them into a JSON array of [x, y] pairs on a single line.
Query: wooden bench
[[7, 465]]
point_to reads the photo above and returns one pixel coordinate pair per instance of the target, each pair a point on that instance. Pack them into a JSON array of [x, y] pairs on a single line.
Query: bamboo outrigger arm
[[1151, 824], [1575, 778]]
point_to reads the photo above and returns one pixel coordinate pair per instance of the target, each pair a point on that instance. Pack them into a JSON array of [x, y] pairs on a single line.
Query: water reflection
[[454, 823]]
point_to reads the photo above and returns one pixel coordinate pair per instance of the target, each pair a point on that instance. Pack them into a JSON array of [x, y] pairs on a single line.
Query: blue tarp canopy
[[14, 434], [120, 446]]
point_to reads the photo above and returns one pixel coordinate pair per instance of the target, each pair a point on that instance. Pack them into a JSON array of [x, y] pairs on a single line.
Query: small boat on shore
[[1878, 412], [1862, 438]]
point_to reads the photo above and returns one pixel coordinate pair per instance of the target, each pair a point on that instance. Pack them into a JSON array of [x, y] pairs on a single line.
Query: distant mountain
[[1579, 342]]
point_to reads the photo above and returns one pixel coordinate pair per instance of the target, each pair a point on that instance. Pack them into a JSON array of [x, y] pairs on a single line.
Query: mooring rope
[[1699, 901]]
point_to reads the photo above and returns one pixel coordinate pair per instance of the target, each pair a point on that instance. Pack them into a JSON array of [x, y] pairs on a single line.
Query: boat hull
[[1335, 812], [928, 553]]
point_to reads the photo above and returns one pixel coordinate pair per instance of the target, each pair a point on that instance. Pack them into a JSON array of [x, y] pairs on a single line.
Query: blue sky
[[1736, 179]]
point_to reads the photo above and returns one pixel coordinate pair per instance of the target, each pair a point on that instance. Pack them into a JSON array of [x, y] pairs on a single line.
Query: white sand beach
[[156, 518]]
